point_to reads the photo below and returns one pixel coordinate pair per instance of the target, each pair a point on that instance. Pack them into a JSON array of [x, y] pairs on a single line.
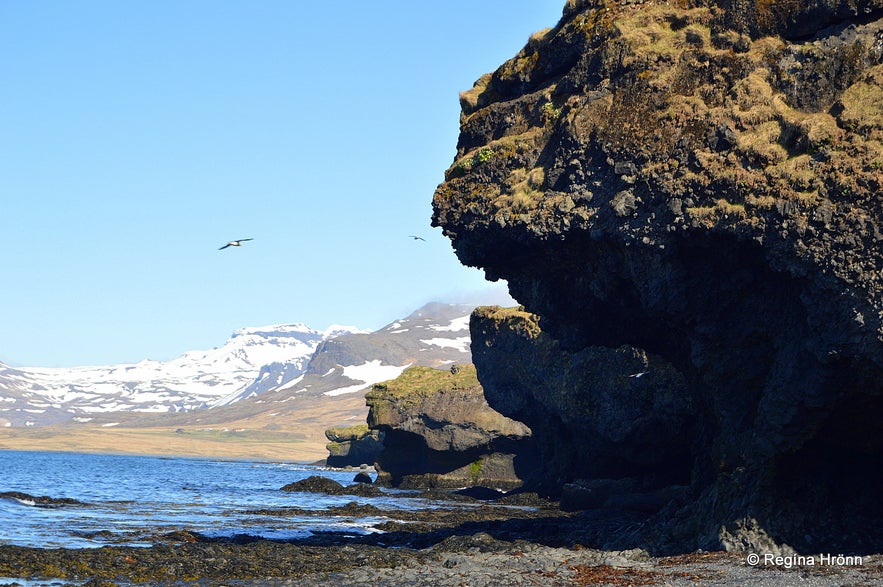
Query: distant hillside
[[258, 370], [32, 396]]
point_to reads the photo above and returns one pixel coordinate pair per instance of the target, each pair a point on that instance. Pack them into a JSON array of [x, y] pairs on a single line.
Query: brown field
[[295, 436], [222, 443]]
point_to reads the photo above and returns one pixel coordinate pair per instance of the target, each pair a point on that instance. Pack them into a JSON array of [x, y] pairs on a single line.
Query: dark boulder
[[315, 484], [363, 477], [319, 484]]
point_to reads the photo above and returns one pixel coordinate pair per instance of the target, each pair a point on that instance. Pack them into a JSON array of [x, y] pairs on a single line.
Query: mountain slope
[[196, 379], [281, 413], [264, 370], [436, 335]]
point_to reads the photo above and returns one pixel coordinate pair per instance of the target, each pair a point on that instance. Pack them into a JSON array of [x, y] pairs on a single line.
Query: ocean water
[[132, 500]]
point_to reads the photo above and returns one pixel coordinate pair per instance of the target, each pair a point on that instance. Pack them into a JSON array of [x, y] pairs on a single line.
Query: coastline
[[293, 435], [515, 540]]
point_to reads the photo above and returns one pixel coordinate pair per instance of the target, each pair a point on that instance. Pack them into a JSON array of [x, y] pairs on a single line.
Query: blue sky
[[138, 137]]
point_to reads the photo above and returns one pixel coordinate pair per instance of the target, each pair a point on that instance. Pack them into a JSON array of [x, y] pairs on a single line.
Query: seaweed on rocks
[[43, 501]]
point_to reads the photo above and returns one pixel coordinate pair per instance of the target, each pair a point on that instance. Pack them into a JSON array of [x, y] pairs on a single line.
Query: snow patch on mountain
[[455, 325], [459, 344], [252, 361], [369, 373], [257, 365], [373, 371]]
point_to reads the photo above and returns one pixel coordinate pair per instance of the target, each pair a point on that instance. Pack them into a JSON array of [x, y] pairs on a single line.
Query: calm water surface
[[132, 500]]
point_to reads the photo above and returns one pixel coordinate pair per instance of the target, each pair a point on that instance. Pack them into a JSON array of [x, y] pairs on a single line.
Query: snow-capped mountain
[[266, 369], [436, 335], [253, 360]]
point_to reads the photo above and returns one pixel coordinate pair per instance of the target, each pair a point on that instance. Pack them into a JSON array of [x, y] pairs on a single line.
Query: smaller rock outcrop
[[605, 412], [353, 446], [440, 432]]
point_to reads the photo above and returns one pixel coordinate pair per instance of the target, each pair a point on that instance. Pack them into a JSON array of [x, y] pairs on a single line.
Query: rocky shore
[[517, 539]]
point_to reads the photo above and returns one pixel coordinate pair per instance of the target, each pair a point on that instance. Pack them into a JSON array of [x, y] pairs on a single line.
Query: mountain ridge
[[256, 365]]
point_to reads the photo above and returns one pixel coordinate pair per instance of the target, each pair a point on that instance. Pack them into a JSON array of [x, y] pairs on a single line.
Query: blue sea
[[131, 500]]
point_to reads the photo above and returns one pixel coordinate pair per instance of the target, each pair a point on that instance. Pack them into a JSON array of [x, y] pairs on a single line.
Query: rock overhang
[[701, 182]]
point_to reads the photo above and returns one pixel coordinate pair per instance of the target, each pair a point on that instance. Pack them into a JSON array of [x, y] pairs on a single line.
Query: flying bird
[[638, 375], [417, 238], [235, 243]]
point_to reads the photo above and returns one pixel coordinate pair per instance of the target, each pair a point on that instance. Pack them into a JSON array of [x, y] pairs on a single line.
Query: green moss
[[550, 113], [347, 433], [417, 382], [335, 448], [524, 323], [466, 163], [475, 470], [484, 154], [519, 66]]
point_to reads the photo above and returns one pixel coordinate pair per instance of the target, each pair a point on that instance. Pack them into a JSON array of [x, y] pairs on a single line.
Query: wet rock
[[362, 477], [315, 484], [362, 489], [42, 501], [319, 484]]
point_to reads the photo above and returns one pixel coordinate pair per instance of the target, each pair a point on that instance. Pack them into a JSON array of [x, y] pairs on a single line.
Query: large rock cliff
[[691, 189]]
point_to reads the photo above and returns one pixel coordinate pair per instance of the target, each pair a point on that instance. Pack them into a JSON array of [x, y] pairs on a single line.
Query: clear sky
[[138, 137]]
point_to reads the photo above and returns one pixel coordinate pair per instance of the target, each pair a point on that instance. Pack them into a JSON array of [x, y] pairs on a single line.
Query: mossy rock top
[[426, 381], [350, 433], [524, 322]]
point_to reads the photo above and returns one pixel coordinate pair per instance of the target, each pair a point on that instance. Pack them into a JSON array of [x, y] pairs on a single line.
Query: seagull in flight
[[417, 238], [235, 243], [638, 375]]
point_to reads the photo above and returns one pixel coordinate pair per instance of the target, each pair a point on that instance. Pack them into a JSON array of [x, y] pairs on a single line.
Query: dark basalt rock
[[605, 412], [318, 484], [440, 432], [697, 188], [363, 477], [315, 484], [353, 446], [41, 501]]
